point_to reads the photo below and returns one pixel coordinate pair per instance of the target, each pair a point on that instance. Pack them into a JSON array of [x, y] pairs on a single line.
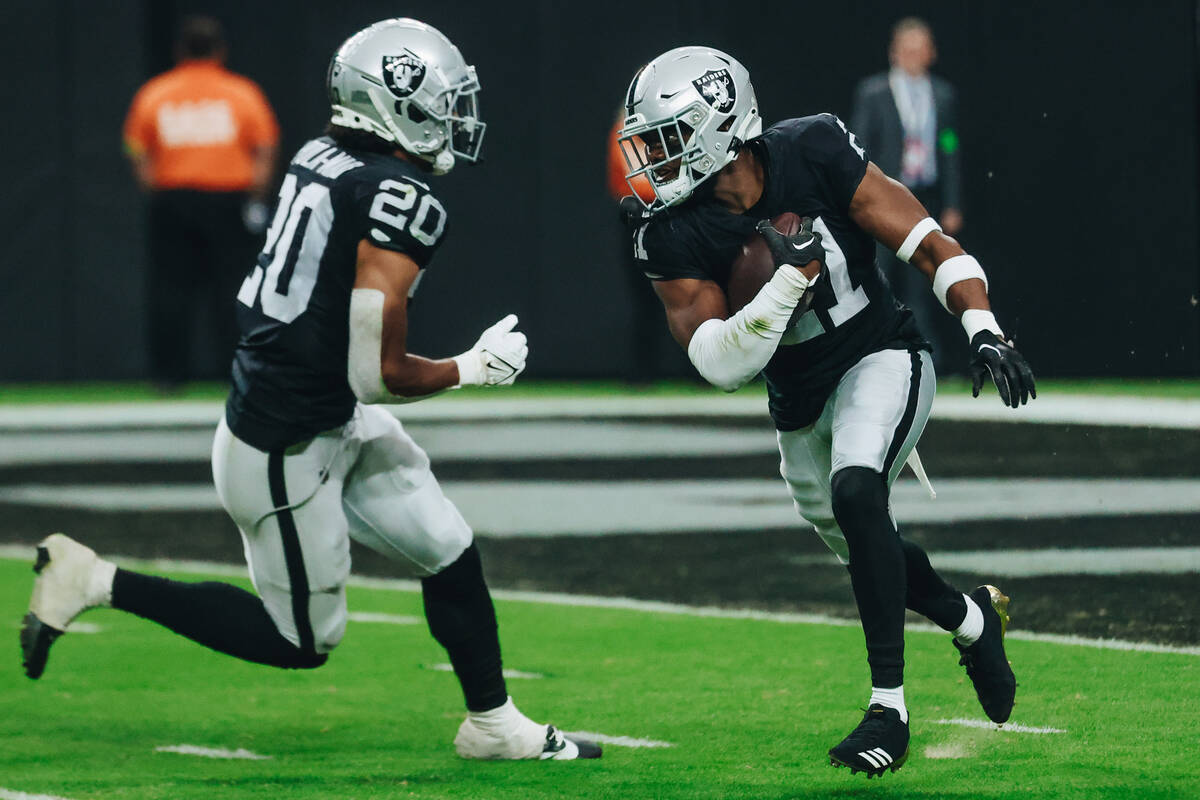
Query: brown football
[[754, 266]]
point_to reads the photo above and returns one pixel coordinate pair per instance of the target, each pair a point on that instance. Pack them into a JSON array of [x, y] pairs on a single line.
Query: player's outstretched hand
[[497, 358], [1013, 377], [798, 249]]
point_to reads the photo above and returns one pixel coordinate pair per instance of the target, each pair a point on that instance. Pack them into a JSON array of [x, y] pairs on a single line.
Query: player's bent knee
[[859, 495], [329, 618]]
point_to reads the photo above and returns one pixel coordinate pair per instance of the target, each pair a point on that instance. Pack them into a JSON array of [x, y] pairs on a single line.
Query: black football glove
[[633, 213], [800, 249], [1013, 378]]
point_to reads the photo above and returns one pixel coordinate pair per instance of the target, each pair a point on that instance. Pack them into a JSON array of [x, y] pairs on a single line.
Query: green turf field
[[102, 392], [749, 706]]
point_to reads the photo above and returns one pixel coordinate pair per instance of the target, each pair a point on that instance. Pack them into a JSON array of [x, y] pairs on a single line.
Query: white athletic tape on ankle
[[954, 270], [971, 628], [913, 240]]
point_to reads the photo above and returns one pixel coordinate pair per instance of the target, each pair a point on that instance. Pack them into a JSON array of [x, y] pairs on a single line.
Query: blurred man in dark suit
[[907, 120]]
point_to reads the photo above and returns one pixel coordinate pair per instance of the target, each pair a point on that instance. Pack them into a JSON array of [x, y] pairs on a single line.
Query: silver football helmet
[[687, 113], [405, 82]]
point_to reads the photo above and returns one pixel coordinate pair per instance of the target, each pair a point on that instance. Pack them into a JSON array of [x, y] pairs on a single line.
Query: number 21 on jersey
[[851, 299]]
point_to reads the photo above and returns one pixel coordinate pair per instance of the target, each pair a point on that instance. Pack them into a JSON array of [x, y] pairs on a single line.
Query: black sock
[[217, 615], [462, 620], [928, 594], [877, 568]]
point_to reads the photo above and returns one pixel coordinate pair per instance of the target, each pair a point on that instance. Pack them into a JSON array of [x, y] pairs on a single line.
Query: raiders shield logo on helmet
[[403, 74], [717, 89]]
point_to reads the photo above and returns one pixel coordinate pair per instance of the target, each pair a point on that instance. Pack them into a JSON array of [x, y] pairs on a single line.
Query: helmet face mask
[[466, 129], [664, 151], [687, 113], [405, 82]]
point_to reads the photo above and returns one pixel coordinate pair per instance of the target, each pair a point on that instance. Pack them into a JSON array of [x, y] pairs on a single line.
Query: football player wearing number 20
[[304, 459], [850, 380]]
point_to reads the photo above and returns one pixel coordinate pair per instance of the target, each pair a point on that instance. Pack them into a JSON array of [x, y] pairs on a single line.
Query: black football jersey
[[812, 167], [289, 369]]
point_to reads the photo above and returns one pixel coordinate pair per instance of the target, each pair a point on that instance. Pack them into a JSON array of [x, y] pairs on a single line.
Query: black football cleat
[[66, 585], [987, 665], [560, 747], [878, 744]]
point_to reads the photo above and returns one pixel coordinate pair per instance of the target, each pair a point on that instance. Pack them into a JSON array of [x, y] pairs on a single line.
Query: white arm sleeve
[[730, 352], [364, 360]]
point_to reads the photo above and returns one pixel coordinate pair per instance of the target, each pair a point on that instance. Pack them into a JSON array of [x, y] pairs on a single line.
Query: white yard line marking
[[508, 673], [1011, 727], [1064, 408], [74, 627], [390, 619], [949, 750], [27, 553], [210, 752], [619, 741], [12, 794]]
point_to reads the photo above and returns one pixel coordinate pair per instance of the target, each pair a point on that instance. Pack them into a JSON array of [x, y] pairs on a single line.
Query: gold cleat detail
[[1000, 604]]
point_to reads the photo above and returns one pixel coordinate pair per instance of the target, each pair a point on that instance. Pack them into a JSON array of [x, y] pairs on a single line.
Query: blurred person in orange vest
[[202, 142], [646, 333]]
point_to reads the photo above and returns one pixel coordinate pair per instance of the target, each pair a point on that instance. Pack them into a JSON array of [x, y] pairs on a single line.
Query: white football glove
[[497, 358]]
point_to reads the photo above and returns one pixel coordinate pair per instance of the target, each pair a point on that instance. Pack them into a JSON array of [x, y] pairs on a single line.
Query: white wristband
[[952, 271], [470, 368], [975, 320], [913, 240]]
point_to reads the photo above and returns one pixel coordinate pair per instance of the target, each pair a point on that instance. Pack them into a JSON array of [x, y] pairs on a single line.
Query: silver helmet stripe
[[629, 97]]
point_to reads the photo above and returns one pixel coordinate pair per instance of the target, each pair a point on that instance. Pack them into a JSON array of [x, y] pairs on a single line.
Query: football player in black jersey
[[849, 378], [303, 460]]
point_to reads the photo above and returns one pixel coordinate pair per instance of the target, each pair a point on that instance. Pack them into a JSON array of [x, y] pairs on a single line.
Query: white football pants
[[298, 509], [872, 419]]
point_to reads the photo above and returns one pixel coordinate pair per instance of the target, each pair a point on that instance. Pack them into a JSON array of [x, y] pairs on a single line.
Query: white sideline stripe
[[1072, 561], [508, 673], [210, 752], [619, 741], [1055, 561], [27, 553], [1156, 412], [618, 507], [390, 619], [12, 794], [1007, 726], [518, 439]]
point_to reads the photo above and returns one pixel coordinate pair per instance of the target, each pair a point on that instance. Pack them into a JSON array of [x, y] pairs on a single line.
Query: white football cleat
[[506, 733], [71, 579]]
